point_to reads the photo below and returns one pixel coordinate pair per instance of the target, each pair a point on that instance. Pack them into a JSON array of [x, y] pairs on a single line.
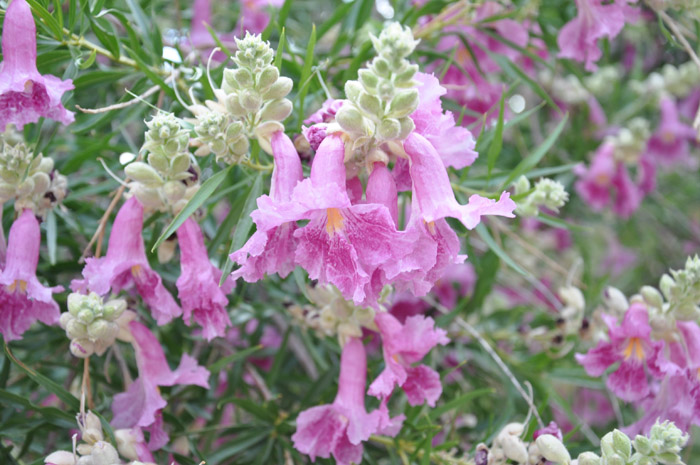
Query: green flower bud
[[385, 89], [381, 67], [158, 161], [243, 78], [174, 191], [143, 173], [403, 104], [75, 329], [114, 309], [588, 458], [405, 77], [368, 79], [41, 182], [389, 129], [279, 89], [82, 348], [25, 188], [652, 296], [552, 449], [642, 445], [353, 90], [267, 78], [45, 165], [522, 185], [64, 319], [86, 316], [180, 163], [350, 119], [276, 110], [75, 302], [250, 99], [407, 126], [98, 329], [371, 104]]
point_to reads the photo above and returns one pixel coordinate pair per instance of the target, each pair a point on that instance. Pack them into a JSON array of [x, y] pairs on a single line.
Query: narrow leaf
[[485, 235], [497, 143]]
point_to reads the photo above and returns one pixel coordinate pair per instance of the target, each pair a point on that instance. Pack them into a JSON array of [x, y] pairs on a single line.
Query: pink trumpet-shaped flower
[[339, 428], [272, 250], [578, 39], [433, 191], [23, 300], [198, 284], [254, 17], [595, 181], [670, 142], [126, 265], [139, 406], [26, 95], [200, 38], [404, 345], [631, 345]]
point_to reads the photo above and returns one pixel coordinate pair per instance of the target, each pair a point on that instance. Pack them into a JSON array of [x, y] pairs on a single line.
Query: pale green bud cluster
[[662, 446], [92, 450], [332, 315], [676, 80], [251, 104], [547, 193], [29, 179], [168, 178], [91, 323], [599, 83], [631, 141], [380, 102], [682, 290]]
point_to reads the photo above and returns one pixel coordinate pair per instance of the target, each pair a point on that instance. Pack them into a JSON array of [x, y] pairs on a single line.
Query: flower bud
[[667, 286], [403, 104], [615, 300], [60, 457], [350, 119], [173, 190], [553, 449], [368, 79], [370, 103], [126, 443], [102, 329], [143, 173], [104, 453], [279, 89], [514, 448], [276, 110], [250, 100], [64, 319], [82, 348], [75, 329], [267, 78], [353, 90], [588, 458], [388, 129], [41, 182]]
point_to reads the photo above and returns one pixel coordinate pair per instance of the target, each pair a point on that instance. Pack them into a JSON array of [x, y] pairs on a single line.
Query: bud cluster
[[379, 104], [676, 80], [91, 324], [509, 447], [332, 315], [631, 141], [251, 104], [662, 446], [30, 179], [682, 290], [169, 178], [547, 194]]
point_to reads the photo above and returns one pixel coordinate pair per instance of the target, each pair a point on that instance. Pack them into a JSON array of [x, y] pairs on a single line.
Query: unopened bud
[[82, 348], [615, 300], [588, 458], [553, 449], [143, 173]]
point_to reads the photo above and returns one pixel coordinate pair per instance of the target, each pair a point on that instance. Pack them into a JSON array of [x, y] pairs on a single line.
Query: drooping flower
[[630, 344], [578, 39], [271, 250], [198, 284], [338, 429], [26, 95], [404, 345], [433, 192], [139, 406], [201, 40], [454, 144], [126, 265], [23, 300], [670, 142]]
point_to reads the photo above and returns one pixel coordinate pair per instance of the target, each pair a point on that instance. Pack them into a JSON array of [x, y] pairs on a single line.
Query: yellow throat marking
[[334, 222], [634, 346]]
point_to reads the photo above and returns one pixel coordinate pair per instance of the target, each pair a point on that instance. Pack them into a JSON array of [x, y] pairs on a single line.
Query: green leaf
[[85, 64], [205, 191], [245, 222], [252, 407], [305, 79], [280, 50], [483, 232], [48, 20], [51, 236], [240, 355], [459, 403], [497, 143], [534, 158], [45, 382]]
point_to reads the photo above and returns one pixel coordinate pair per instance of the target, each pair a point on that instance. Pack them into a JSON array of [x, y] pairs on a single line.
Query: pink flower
[[578, 39], [326, 113], [404, 345], [628, 195], [198, 284], [631, 345], [254, 17], [200, 39], [552, 428], [433, 192], [271, 250], [454, 144], [26, 95], [670, 142], [23, 300], [457, 281], [126, 265], [141, 403], [339, 428]]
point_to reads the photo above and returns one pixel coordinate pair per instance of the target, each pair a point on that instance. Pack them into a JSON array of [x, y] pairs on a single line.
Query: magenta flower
[[454, 144], [200, 39], [26, 95], [458, 280], [198, 284], [670, 142], [254, 17], [326, 113], [628, 196], [631, 345], [338, 429], [23, 300], [404, 345], [433, 191], [139, 406], [552, 428], [271, 250], [126, 265], [595, 181], [578, 39]]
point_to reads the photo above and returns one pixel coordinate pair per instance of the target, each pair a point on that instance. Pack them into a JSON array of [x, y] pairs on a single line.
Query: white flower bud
[[104, 453], [588, 458], [60, 457], [143, 173], [126, 443], [572, 297], [82, 348], [553, 449], [514, 448], [75, 329], [615, 300], [276, 110]]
